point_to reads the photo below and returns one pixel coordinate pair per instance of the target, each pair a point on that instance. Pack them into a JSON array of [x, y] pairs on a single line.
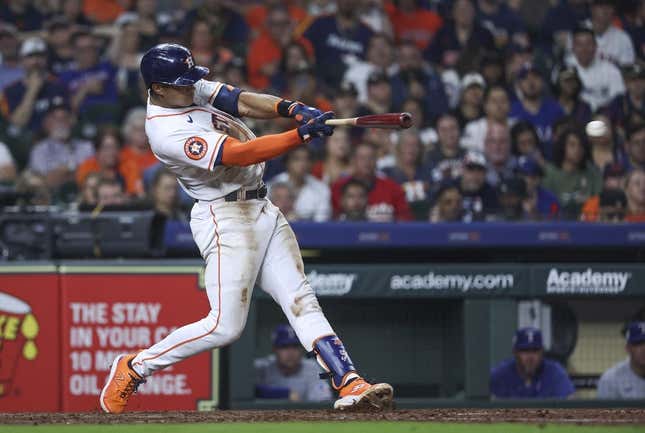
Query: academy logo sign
[[18, 330], [331, 284], [453, 282], [586, 282]]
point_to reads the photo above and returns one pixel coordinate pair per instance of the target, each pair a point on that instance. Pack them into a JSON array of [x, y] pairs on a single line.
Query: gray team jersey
[[306, 382], [620, 382]]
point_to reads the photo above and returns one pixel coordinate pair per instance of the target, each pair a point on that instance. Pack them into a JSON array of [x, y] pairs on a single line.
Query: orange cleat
[[361, 395], [122, 382]]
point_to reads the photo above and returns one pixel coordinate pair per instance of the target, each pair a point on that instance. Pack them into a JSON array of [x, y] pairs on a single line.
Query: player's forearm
[[258, 105], [259, 149]]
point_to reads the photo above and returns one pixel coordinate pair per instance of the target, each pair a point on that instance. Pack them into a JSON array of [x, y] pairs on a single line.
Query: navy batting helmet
[[171, 64]]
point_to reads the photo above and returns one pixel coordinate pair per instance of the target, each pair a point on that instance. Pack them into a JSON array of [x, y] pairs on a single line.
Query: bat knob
[[405, 120]]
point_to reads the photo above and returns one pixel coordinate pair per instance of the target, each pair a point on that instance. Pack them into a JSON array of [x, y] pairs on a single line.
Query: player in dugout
[[528, 374], [194, 128]]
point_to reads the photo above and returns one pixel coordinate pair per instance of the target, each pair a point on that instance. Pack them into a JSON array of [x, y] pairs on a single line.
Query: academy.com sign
[[586, 282], [452, 282]]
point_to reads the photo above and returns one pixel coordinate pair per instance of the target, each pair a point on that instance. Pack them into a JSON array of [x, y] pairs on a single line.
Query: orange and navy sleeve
[[225, 97]]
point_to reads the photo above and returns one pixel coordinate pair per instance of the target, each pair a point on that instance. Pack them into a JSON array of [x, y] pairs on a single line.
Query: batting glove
[[297, 110], [316, 127]]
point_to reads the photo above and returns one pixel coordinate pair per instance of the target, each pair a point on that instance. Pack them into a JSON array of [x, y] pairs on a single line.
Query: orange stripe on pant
[[219, 297]]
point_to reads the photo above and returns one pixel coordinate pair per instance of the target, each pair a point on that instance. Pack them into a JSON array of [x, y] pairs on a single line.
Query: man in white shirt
[[614, 44], [496, 108], [379, 58], [626, 380], [601, 80], [313, 198]]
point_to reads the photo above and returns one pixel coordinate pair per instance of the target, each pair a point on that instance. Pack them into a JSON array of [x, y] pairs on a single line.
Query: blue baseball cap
[[529, 166], [527, 339], [283, 336], [635, 333]]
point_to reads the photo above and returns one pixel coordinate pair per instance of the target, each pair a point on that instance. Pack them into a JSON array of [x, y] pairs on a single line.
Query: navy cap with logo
[[527, 339], [283, 336], [170, 64], [635, 333]]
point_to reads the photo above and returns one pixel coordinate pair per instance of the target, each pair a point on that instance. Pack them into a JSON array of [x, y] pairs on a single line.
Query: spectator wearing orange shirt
[[266, 51], [256, 15], [635, 192], [103, 11], [107, 163], [411, 22], [613, 178], [135, 146]]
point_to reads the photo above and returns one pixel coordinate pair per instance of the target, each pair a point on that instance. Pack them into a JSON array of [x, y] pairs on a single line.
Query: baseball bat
[[386, 121]]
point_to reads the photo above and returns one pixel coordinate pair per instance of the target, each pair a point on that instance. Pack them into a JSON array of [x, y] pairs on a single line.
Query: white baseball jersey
[[601, 82], [188, 141]]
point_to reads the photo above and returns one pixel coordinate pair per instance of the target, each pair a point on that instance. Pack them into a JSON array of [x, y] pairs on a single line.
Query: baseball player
[[194, 129]]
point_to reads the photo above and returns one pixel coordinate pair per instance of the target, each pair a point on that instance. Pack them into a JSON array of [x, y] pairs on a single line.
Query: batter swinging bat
[[386, 121]]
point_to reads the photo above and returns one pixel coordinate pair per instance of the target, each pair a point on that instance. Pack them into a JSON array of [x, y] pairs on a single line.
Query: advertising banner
[[29, 340], [106, 313], [589, 279]]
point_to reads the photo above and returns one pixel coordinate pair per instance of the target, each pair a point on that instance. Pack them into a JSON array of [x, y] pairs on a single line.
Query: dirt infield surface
[[534, 416]]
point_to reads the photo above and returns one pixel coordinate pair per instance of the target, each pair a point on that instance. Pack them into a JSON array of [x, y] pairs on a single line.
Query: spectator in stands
[[496, 107], [33, 190], [471, 100], [559, 23], [525, 141], [386, 200], [312, 197], [497, 150], [427, 134], [61, 52], [635, 191], [205, 46], [629, 108], [88, 198], [58, 155], [412, 78], [602, 81], [448, 204], [410, 173], [511, 194], [282, 195], [164, 196], [286, 374], [444, 160], [72, 12], [503, 22], [379, 95], [626, 380], [125, 53], [10, 68], [23, 14], [539, 203], [479, 197], [379, 58], [353, 202], [25, 102], [635, 147], [345, 102], [337, 39], [385, 145], [7, 165], [534, 106], [614, 43], [107, 145], [266, 51], [256, 15], [224, 22], [612, 204], [613, 179], [336, 161], [109, 193], [528, 374], [568, 88], [92, 84], [461, 41], [572, 176], [103, 11], [135, 142], [493, 69], [295, 59], [412, 22]]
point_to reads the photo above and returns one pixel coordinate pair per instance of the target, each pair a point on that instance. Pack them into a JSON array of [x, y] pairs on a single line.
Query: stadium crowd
[[524, 110]]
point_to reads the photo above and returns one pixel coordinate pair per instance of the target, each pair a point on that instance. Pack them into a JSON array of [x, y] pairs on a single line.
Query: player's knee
[[227, 330], [304, 301]]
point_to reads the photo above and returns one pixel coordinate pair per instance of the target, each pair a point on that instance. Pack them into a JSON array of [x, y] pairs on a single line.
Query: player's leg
[[282, 276], [225, 235]]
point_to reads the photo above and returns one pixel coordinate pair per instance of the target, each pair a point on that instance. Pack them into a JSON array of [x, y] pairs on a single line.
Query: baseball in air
[[596, 128]]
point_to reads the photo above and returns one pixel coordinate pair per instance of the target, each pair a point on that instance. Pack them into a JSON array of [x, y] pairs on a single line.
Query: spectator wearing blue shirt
[[10, 69], [539, 203], [337, 40], [25, 102], [504, 23], [534, 106], [92, 83], [528, 374], [23, 14]]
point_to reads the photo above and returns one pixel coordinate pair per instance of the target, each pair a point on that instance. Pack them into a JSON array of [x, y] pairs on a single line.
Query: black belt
[[248, 194]]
